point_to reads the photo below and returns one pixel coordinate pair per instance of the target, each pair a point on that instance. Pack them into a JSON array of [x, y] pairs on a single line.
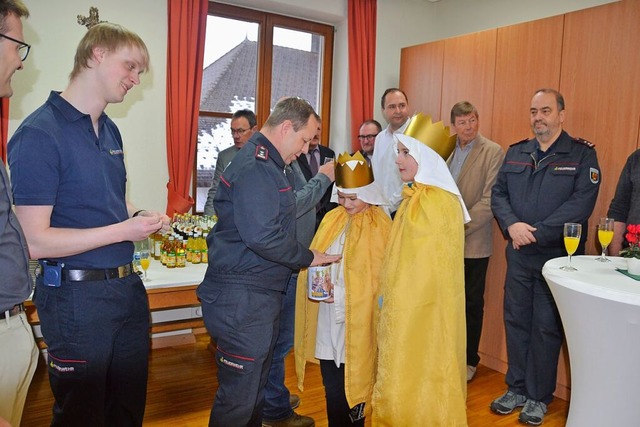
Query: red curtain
[[185, 55], [362, 17], [4, 128]]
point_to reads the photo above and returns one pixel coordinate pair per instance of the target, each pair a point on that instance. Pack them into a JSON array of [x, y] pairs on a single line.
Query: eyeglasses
[[23, 48], [369, 137], [238, 132]]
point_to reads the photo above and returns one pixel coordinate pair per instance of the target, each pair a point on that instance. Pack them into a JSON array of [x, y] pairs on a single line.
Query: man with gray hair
[[474, 165]]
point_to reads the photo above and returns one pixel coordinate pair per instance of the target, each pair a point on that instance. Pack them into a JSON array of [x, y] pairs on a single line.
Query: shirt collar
[[467, 147], [70, 112]]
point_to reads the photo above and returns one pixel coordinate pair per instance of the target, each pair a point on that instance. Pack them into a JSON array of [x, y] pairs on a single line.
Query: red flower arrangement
[[633, 237]]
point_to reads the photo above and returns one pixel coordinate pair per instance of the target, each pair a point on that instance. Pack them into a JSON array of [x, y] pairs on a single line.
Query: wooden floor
[[182, 384]]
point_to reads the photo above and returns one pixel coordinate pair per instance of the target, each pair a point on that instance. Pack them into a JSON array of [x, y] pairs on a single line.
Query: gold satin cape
[[421, 378], [362, 257]]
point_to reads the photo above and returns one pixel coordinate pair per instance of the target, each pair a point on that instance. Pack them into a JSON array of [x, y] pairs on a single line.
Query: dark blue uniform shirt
[[254, 241], [57, 160], [562, 186]]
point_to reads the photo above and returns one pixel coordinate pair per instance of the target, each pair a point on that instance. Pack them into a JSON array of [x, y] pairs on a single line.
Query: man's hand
[[141, 226], [166, 222], [320, 258], [521, 234], [329, 170]]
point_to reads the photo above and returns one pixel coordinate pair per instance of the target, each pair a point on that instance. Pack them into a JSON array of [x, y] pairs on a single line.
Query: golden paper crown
[[434, 135], [353, 171]]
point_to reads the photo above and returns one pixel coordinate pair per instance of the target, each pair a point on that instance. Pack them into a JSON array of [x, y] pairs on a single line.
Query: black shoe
[[294, 401], [294, 420]]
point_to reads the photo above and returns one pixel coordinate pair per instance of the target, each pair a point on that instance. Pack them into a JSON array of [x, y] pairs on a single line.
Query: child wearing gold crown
[[421, 377], [340, 333]]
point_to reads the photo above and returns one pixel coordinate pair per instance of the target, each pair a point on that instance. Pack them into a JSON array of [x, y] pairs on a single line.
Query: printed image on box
[[320, 287]]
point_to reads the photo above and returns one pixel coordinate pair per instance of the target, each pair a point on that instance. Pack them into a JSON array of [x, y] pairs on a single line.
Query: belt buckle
[[124, 270]]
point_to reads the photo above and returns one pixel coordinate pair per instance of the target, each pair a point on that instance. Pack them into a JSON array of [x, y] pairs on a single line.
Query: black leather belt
[[17, 309], [97, 274]]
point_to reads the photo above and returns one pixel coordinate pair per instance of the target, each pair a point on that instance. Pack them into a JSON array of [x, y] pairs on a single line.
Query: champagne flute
[[605, 236], [572, 232], [145, 260]]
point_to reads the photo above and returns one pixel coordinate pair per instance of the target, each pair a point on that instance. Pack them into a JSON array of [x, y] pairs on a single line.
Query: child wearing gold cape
[[340, 333], [421, 331]]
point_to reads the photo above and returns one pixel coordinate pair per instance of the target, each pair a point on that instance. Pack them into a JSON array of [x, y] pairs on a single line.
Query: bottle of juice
[[180, 254], [202, 247], [171, 253], [196, 256], [189, 247], [164, 250], [157, 243]]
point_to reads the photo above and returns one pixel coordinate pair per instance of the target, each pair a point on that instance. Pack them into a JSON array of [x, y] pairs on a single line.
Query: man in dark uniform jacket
[[252, 251], [309, 165], [543, 183]]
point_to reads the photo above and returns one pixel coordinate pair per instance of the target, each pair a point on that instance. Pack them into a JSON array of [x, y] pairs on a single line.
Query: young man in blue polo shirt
[[69, 184]]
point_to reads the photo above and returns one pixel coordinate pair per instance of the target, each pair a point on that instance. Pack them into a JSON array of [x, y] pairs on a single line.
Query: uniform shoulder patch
[[520, 142], [584, 142], [262, 152]]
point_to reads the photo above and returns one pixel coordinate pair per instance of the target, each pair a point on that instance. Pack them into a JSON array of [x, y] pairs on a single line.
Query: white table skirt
[[600, 311]]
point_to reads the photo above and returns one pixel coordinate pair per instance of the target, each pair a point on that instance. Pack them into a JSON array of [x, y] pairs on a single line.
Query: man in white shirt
[[395, 109]]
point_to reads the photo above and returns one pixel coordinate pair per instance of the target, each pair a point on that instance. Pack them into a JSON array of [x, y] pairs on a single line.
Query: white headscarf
[[369, 194], [432, 169]]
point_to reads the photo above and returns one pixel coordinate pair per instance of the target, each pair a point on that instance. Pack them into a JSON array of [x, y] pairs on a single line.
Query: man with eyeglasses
[[18, 351], [369, 130], [243, 125]]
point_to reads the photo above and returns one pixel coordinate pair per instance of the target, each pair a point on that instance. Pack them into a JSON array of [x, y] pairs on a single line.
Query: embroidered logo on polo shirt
[[115, 152]]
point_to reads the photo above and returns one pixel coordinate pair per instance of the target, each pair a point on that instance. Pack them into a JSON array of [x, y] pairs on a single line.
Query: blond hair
[[8, 7], [110, 37]]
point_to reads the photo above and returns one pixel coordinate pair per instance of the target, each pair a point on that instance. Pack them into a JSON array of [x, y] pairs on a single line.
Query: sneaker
[[471, 372], [294, 420], [506, 403], [533, 412], [294, 401]]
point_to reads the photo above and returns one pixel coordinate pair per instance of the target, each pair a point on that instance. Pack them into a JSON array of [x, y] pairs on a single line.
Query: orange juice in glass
[[572, 232], [605, 236]]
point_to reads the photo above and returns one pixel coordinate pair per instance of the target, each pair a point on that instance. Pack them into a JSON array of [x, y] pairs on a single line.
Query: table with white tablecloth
[[600, 311]]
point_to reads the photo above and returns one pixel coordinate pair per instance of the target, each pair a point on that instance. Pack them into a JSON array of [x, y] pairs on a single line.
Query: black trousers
[[475, 272], [337, 406]]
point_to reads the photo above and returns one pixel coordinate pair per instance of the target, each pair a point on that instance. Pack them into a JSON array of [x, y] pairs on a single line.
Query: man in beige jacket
[[474, 165]]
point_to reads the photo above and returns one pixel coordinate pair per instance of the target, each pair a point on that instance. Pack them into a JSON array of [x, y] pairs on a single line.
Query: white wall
[[54, 34]]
